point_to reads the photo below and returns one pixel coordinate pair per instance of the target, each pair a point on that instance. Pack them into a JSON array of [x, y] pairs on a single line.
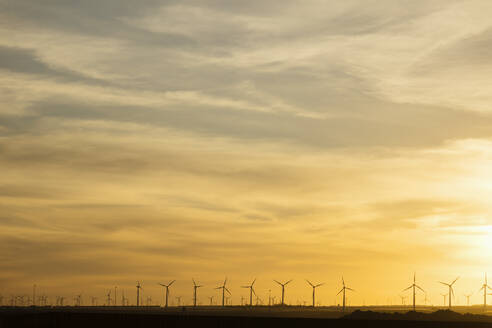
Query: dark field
[[122, 317]]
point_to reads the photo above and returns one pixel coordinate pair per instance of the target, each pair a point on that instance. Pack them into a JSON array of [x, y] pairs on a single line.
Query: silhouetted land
[[204, 317]]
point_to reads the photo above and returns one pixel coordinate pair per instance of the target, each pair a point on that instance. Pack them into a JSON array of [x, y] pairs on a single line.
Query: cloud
[[165, 139]]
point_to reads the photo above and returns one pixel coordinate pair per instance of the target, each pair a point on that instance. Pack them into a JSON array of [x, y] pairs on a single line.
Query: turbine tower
[[283, 288], [344, 288], [224, 289], [195, 287], [167, 289], [314, 290], [251, 292], [413, 286], [484, 287], [451, 292], [138, 292], [468, 298]]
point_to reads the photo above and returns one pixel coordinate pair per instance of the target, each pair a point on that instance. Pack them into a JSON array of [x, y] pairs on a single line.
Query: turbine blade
[[443, 283], [225, 281], [287, 282], [309, 283], [172, 282], [245, 286], [227, 290], [252, 289], [162, 284], [253, 282], [350, 289], [420, 288], [194, 283], [341, 290], [277, 282], [455, 280], [319, 285], [407, 289]]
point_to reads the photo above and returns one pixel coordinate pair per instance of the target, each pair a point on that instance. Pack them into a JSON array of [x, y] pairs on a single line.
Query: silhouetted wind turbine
[[314, 290], [451, 292], [344, 288], [109, 297], [283, 288], [484, 287], [402, 299], [138, 292], [413, 286], [468, 298], [195, 287], [251, 292], [224, 289], [167, 289]]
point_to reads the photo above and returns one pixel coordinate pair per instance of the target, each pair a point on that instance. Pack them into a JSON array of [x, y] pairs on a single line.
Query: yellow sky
[[293, 140]]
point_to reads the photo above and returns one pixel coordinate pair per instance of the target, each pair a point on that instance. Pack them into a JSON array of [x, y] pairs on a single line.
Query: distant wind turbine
[[138, 292], [224, 289], [251, 292], [314, 290], [444, 298], [167, 289], [283, 288], [109, 297], [468, 298], [195, 287], [344, 288], [451, 292], [484, 288], [413, 286], [403, 298]]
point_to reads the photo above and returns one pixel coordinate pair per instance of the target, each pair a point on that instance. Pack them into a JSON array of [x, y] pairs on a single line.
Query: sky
[[159, 140]]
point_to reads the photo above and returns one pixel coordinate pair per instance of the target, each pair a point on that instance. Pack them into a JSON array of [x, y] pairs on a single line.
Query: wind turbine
[[426, 299], [211, 298], [109, 297], [314, 290], [450, 286], [251, 292], [283, 288], [224, 289], [403, 298], [195, 287], [484, 287], [167, 289], [444, 298], [344, 288], [138, 292], [413, 286], [468, 298]]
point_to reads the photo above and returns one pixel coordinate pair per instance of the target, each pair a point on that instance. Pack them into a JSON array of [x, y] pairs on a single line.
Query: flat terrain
[[232, 316]]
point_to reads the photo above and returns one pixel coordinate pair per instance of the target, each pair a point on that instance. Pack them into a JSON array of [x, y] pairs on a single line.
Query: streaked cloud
[[164, 139]]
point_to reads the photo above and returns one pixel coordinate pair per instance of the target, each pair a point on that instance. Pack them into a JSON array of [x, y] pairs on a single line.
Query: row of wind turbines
[[223, 287], [252, 292], [450, 293]]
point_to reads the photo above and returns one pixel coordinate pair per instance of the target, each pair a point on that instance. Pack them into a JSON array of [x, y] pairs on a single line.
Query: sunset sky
[[160, 140]]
